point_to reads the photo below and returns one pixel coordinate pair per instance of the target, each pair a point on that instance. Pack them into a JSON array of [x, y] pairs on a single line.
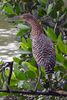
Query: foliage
[[25, 72]]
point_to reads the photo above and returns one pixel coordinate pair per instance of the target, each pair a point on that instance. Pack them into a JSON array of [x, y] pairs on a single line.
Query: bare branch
[[51, 92], [10, 74]]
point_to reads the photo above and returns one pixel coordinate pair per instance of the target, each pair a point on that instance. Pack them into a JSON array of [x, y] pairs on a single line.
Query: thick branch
[[52, 93], [5, 65], [10, 74]]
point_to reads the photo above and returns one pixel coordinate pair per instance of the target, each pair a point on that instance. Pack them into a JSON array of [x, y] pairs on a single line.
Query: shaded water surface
[[8, 44]]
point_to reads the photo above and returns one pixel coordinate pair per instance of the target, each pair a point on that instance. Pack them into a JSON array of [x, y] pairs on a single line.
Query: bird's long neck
[[36, 28]]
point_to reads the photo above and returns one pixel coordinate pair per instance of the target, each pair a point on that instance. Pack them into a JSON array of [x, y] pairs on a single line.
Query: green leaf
[[23, 40], [29, 43], [59, 68], [56, 7], [23, 29], [49, 9], [13, 83], [17, 60], [24, 85], [41, 11], [7, 72], [65, 76], [42, 1], [65, 64], [59, 4], [50, 33], [1, 62], [31, 67], [30, 74], [33, 62], [20, 32], [65, 86], [13, 76], [19, 74], [2, 95], [24, 46], [43, 71], [62, 47], [17, 8], [8, 9], [59, 56]]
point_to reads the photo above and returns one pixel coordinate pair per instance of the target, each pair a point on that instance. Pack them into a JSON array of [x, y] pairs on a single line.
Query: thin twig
[[7, 64]]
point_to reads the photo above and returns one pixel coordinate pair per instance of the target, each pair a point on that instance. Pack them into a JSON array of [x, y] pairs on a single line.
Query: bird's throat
[[36, 28]]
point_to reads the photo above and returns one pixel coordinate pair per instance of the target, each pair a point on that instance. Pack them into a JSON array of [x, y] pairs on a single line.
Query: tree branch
[[5, 65], [51, 92], [10, 74]]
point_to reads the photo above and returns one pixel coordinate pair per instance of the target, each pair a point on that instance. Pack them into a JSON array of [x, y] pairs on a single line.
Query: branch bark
[[51, 92]]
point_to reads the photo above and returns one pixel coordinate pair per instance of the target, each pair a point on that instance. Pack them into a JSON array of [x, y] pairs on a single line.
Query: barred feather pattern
[[44, 52], [42, 47]]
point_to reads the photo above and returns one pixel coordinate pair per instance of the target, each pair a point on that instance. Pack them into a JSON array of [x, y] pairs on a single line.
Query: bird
[[43, 49]]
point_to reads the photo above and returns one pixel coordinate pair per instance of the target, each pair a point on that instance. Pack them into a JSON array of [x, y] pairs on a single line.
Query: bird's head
[[30, 19], [27, 17]]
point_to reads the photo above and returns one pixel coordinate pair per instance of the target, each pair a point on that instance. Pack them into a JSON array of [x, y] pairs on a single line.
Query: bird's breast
[[43, 51]]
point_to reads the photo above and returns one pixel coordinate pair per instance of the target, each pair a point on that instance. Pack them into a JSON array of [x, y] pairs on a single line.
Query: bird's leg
[[49, 75], [55, 79], [38, 79], [55, 75]]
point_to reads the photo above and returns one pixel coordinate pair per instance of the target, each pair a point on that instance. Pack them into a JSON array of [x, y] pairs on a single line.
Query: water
[[9, 47]]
